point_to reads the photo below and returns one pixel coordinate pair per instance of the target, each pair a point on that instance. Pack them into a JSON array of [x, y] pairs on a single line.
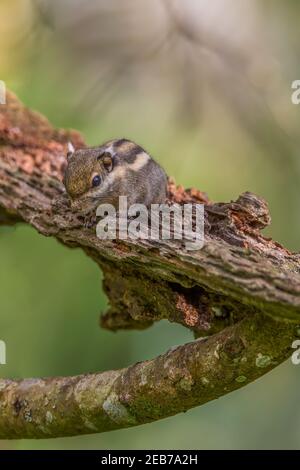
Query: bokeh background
[[206, 88]]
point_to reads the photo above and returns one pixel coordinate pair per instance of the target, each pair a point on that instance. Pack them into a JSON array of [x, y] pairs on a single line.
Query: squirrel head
[[86, 171], [118, 167]]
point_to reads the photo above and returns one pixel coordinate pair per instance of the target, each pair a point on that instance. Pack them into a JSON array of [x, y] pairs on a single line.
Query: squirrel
[[116, 168]]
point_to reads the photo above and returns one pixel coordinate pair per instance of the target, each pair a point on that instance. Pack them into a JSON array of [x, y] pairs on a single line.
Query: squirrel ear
[[107, 160], [71, 150]]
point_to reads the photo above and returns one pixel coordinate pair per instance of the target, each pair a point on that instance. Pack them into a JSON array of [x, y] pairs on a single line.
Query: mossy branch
[[241, 291]]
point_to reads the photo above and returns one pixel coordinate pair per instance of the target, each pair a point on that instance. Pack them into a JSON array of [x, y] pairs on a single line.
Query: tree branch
[[241, 291]]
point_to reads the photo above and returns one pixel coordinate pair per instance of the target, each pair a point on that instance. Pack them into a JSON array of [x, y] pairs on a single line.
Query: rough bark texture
[[241, 292]]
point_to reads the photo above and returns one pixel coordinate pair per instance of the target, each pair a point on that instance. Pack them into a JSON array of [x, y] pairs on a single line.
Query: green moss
[[263, 360], [241, 379]]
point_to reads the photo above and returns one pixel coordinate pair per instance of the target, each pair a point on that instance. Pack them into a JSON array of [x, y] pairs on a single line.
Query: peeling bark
[[241, 291]]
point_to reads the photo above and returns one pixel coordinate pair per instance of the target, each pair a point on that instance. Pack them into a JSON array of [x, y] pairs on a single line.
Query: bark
[[240, 293]]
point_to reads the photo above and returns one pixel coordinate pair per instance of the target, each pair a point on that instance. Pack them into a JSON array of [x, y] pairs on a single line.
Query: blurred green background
[[206, 88]]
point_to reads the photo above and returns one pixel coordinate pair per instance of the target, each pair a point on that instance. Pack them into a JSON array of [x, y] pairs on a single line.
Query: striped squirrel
[[119, 167]]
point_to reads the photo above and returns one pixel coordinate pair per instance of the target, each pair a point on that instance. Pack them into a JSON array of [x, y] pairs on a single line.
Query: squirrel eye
[[96, 181]]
